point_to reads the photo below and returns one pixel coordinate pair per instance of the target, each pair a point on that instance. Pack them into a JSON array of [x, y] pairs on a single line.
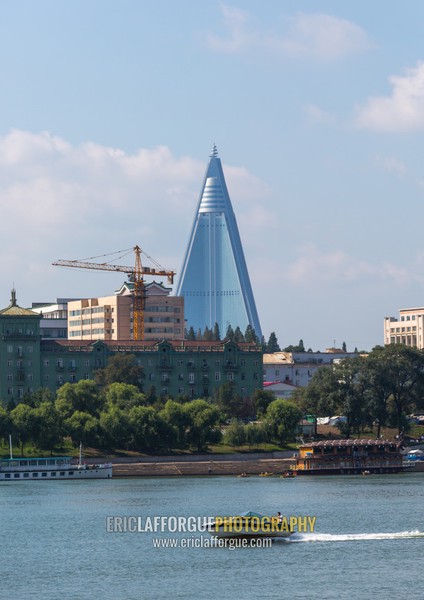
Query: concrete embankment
[[232, 464]]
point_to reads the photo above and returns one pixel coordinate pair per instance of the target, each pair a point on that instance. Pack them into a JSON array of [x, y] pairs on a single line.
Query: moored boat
[[59, 467], [53, 468], [344, 457]]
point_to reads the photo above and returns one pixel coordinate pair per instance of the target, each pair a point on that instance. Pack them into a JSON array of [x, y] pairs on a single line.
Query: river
[[367, 542]]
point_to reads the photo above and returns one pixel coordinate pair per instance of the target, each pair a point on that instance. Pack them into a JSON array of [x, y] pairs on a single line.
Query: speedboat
[[250, 525]]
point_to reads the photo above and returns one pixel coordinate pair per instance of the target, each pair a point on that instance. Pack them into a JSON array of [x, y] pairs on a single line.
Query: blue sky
[[108, 111]]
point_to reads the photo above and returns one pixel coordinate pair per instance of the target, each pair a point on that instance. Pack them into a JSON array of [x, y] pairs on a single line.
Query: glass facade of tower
[[214, 279]]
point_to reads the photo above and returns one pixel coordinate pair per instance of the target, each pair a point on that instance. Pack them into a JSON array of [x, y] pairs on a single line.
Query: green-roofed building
[[174, 367], [19, 351]]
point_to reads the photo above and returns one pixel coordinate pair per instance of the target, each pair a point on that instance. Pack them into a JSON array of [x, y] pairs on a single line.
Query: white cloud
[[313, 35], [403, 110], [316, 266], [63, 201], [323, 37], [316, 115]]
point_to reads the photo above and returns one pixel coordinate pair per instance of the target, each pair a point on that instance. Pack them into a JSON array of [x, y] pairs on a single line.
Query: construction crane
[[135, 274]]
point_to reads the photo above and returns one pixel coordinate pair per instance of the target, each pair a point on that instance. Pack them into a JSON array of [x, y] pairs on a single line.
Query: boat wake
[[351, 537]]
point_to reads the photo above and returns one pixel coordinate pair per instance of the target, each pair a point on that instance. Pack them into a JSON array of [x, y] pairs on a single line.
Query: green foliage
[[380, 388], [203, 421], [23, 424], [235, 434], [81, 396], [299, 348], [262, 399], [216, 333], [190, 334], [272, 345], [229, 335], [49, 426], [124, 395], [83, 427], [121, 368], [282, 420]]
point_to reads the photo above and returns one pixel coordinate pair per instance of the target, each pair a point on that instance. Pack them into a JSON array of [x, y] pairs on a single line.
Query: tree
[[23, 421], [121, 368], [124, 395], [203, 421], [82, 427], [238, 335], [262, 399], [404, 369], [282, 418], [82, 396], [5, 424], [272, 345], [250, 336], [229, 335], [146, 427], [344, 348], [191, 335], [177, 420], [235, 434], [299, 348], [114, 423], [49, 430], [216, 333], [208, 334]]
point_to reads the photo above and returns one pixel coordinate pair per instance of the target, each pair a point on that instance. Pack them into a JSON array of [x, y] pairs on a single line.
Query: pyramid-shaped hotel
[[214, 280]]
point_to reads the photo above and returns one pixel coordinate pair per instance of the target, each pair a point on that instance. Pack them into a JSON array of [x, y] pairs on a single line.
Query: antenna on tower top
[[214, 151]]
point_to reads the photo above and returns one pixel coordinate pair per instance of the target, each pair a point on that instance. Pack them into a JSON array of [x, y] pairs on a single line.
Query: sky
[[108, 112]]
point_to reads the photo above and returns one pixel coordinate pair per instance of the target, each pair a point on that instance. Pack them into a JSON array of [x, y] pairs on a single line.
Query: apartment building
[[111, 317], [408, 329]]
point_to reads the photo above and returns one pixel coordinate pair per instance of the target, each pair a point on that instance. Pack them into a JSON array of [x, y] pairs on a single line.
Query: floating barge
[[348, 457]]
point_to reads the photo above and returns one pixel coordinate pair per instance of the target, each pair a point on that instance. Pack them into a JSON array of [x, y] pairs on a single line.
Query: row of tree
[[379, 389], [119, 416]]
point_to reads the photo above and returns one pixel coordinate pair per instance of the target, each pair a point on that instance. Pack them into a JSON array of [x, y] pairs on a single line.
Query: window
[[59, 363], [16, 475], [255, 376], [255, 363], [217, 376], [10, 348], [10, 363], [10, 376], [44, 474], [53, 474], [35, 474], [230, 376], [26, 474], [62, 473], [191, 377]]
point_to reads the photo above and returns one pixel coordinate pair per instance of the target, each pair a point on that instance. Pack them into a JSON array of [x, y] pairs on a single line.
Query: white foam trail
[[353, 537]]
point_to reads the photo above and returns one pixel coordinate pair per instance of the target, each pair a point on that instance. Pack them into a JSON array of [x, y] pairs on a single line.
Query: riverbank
[[230, 464]]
